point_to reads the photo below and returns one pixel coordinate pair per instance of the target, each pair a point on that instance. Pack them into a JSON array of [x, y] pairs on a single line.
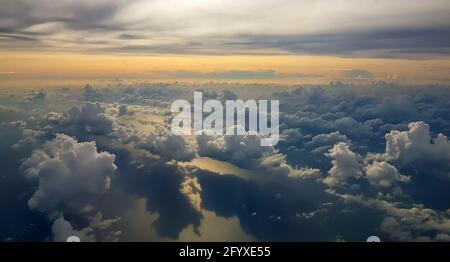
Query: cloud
[[90, 118], [313, 123], [383, 174], [36, 96], [345, 165], [417, 148], [123, 110], [291, 136], [20, 124], [226, 75], [277, 164], [62, 229], [328, 28], [90, 94], [245, 151], [70, 175], [377, 175], [163, 143], [28, 139], [403, 222], [328, 139], [191, 189], [358, 73]]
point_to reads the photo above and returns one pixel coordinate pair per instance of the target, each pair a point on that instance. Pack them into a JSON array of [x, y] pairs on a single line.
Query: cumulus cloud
[[329, 118], [328, 139], [18, 124], [28, 139], [36, 96], [383, 174], [163, 143], [90, 94], [191, 189], [345, 165], [245, 151], [277, 164], [53, 117], [291, 136], [123, 110], [62, 229], [415, 147], [90, 118], [403, 222], [314, 123], [70, 175]]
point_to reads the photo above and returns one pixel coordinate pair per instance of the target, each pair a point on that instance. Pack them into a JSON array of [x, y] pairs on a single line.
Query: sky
[[268, 41], [86, 147]]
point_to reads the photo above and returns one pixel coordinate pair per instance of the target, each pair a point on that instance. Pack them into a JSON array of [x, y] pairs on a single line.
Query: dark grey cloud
[[151, 27], [88, 15], [371, 42]]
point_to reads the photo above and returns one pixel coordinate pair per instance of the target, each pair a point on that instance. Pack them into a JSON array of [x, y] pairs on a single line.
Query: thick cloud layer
[[375, 154], [406, 27]]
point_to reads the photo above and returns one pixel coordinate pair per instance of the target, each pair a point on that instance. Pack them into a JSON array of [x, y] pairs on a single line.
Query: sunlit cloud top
[[354, 27]]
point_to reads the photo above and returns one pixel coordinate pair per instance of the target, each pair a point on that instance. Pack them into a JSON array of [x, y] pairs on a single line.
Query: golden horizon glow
[[286, 68]]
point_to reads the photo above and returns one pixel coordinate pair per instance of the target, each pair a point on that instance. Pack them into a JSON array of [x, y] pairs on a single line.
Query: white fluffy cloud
[[345, 165], [245, 151], [157, 139], [383, 174], [163, 143], [417, 148], [70, 175]]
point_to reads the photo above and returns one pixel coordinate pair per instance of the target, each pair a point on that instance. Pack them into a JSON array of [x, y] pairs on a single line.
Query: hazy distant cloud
[[90, 94], [218, 75], [375, 29], [34, 96], [358, 73]]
